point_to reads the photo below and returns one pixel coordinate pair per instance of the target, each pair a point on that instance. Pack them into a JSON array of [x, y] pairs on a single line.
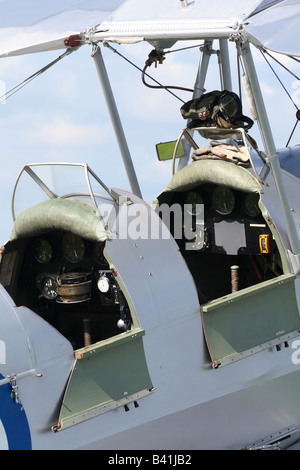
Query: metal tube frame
[[200, 82], [115, 118], [270, 149], [225, 64], [198, 91]]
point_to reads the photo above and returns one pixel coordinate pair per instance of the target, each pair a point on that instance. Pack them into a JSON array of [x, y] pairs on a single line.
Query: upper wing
[[277, 27], [271, 23], [37, 25], [173, 20]]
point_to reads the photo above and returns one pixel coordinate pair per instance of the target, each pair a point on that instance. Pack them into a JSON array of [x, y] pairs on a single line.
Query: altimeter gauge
[[223, 200], [73, 247], [103, 284]]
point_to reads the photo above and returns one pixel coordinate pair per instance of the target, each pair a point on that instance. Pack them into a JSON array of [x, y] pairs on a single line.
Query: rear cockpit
[[66, 279], [54, 261], [55, 265]]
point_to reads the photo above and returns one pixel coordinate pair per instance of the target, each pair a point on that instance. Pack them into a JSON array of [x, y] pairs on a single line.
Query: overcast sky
[[62, 115]]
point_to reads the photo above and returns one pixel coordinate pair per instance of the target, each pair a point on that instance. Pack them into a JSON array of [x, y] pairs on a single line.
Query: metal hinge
[[14, 388], [276, 441], [12, 381]]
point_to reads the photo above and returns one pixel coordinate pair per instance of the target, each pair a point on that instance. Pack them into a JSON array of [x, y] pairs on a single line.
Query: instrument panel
[[223, 201], [211, 205], [66, 280], [63, 265]]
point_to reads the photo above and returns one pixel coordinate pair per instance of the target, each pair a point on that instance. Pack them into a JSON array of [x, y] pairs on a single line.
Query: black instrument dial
[[43, 251], [223, 200], [49, 287], [192, 202], [73, 247], [251, 204]]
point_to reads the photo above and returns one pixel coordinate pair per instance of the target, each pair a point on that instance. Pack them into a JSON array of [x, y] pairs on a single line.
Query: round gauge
[[103, 284], [251, 204], [223, 200], [73, 247], [43, 251], [191, 201], [49, 287]]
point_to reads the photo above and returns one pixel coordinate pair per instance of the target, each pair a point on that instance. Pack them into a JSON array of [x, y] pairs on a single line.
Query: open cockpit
[[54, 263], [66, 280], [214, 209], [226, 237]]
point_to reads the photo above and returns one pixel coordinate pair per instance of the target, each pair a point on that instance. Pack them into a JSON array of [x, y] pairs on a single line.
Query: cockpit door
[[106, 375]]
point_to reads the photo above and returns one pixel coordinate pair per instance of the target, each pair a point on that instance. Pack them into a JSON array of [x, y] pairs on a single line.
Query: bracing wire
[[276, 75], [264, 52], [282, 65], [292, 133], [25, 82]]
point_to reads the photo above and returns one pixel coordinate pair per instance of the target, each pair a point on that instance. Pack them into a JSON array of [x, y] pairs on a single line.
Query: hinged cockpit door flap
[[106, 375], [253, 319]]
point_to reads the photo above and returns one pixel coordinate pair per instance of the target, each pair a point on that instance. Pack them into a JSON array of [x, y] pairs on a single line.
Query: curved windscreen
[[39, 182]]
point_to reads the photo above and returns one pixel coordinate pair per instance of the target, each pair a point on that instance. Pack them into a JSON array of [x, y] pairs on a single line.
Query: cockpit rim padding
[[213, 171], [70, 215]]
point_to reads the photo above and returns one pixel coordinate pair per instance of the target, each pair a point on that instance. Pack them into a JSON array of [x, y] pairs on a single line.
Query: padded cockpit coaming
[[69, 215], [211, 171]]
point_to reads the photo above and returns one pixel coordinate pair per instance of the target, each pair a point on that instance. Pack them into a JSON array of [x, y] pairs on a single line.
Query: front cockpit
[[224, 222], [232, 232], [214, 209]]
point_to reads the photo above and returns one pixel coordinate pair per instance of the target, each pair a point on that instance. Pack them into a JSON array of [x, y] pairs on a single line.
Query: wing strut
[[271, 151], [198, 91], [111, 104]]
